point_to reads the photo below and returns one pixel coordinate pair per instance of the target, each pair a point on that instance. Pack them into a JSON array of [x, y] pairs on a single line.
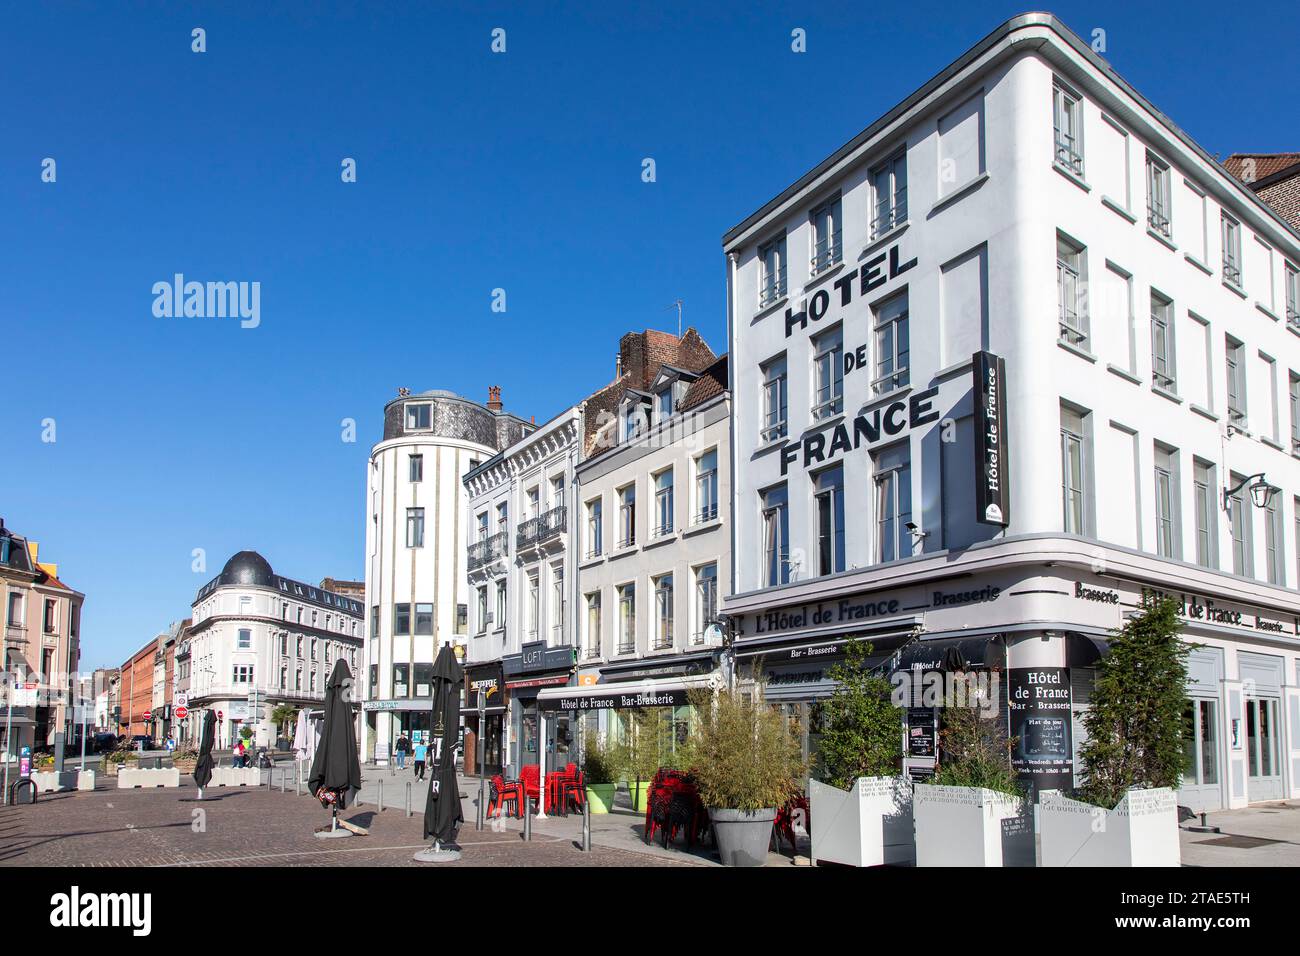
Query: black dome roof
[[247, 567]]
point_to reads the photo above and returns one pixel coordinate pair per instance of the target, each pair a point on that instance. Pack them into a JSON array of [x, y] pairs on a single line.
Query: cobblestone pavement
[[253, 827]]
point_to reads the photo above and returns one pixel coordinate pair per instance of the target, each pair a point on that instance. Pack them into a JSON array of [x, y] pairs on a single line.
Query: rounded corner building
[[416, 590]]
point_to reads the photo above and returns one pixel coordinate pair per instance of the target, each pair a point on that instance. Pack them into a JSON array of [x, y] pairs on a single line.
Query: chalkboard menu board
[[920, 731], [1038, 708]]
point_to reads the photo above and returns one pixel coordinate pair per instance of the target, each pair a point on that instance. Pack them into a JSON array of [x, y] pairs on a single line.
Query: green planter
[[637, 794], [600, 796]]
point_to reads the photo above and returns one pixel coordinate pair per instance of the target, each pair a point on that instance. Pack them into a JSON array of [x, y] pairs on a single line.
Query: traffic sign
[[182, 712], [219, 716], [181, 700]]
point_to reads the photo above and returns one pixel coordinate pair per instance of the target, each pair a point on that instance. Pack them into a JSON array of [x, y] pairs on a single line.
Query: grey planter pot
[[742, 837]]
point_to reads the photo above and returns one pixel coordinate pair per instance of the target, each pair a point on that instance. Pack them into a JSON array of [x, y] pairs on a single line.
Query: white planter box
[[85, 780], [869, 825], [971, 826], [130, 779], [1141, 831], [47, 781], [235, 777]]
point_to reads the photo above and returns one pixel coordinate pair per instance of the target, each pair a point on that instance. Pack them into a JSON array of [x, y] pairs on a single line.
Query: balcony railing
[[542, 528], [486, 551], [772, 289], [627, 647]]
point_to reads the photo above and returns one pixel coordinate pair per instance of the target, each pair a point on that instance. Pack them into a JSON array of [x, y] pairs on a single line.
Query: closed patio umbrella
[[335, 777], [442, 814], [203, 767]]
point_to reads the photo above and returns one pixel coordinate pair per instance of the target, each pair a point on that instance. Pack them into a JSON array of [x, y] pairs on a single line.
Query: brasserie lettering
[[1081, 590], [883, 421]]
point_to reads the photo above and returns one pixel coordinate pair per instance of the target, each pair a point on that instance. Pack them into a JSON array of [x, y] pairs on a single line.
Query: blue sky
[[475, 171]]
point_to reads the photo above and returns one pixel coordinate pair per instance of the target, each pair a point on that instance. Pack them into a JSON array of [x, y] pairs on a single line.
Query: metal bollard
[[586, 826], [380, 804], [408, 798], [528, 818]]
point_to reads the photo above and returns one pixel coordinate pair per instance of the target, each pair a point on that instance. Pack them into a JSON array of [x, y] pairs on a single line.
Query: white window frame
[[1071, 292], [828, 374], [663, 589], [826, 237], [772, 271], [889, 194], [1067, 126], [1230, 234], [776, 399], [1164, 360], [1160, 209]]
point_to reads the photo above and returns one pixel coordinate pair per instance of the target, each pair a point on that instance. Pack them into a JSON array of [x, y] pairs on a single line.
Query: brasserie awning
[[651, 693]]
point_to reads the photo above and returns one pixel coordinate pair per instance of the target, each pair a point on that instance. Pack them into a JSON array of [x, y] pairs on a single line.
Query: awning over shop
[[488, 711], [674, 692], [1084, 650], [678, 666], [952, 653]]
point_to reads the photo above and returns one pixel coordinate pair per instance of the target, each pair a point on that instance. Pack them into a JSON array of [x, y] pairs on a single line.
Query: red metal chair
[[573, 790], [785, 817], [503, 793]]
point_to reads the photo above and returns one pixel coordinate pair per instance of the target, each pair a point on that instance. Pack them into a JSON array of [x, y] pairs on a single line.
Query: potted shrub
[[646, 749], [1126, 813], [114, 759], [746, 763], [860, 807], [974, 814], [184, 759], [600, 771]]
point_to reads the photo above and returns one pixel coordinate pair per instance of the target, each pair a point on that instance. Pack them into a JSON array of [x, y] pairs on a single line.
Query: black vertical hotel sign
[[992, 503]]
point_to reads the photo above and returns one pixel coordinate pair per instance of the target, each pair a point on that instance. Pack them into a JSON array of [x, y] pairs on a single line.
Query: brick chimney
[[494, 398]]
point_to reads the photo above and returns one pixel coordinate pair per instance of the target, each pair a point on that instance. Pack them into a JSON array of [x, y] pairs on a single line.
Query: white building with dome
[[259, 639], [416, 588]]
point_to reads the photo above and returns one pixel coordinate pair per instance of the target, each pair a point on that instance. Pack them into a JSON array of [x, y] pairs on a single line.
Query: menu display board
[[1038, 707]]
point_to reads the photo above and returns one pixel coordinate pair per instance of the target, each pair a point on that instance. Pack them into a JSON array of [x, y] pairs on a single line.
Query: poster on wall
[[920, 731], [992, 502], [1038, 709]]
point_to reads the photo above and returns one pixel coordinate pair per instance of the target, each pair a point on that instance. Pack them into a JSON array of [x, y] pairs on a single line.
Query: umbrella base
[[437, 854], [328, 834]]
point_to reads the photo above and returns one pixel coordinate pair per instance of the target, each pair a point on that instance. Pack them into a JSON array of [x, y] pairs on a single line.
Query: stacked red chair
[[502, 792]]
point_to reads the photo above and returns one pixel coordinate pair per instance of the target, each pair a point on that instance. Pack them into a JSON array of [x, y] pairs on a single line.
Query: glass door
[[1264, 775], [1201, 789]]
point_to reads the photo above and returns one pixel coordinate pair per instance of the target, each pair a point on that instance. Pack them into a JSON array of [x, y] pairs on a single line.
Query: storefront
[[408, 717], [608, 708], [485, 688], [529, 735], [1029, 635]]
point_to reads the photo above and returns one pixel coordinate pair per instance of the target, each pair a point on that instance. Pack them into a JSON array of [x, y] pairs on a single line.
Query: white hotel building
[[417, 598], [1028, 203]]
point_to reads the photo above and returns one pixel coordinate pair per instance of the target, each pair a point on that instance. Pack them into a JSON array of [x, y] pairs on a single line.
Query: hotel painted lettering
[[873, 274], [883, 421]]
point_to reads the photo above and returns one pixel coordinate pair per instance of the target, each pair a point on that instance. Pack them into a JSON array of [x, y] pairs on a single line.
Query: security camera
[[911, 526]]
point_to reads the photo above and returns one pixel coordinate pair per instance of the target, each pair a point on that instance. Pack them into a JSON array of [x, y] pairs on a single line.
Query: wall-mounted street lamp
[[1261, 492]]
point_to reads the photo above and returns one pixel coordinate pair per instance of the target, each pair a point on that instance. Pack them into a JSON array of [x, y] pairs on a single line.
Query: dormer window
[[634, 419], [664, 403], [417, 415]]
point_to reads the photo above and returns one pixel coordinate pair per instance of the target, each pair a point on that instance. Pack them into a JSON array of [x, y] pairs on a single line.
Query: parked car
[[102, 743], [142, 742]]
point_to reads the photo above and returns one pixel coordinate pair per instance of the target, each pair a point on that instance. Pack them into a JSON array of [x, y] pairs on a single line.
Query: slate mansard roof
[[250, 569]]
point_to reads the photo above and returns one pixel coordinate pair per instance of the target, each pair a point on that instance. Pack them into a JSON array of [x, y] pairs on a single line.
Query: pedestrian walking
[[402, 746], [420, 751]]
